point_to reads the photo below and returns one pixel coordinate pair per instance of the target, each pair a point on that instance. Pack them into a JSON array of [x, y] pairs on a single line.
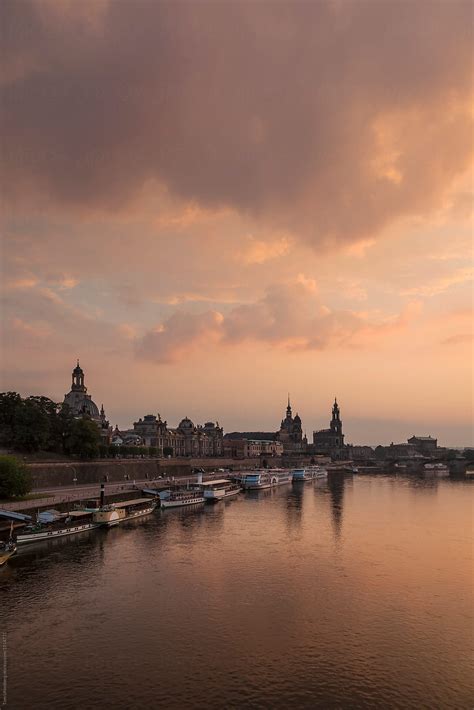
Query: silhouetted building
[[82, 406], [425, 445], [185, 440], [396, 451], [330, 441], [291, 432], [358, 453], [249, 448]]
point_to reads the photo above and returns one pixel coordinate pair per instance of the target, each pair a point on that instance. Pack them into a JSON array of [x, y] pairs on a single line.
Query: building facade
[[290, 434], [186, 439], [82, 405], [425, 445], [252, 448], [330, 441]]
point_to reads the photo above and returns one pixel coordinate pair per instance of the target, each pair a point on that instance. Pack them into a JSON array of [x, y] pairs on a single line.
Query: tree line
[[37, 423]]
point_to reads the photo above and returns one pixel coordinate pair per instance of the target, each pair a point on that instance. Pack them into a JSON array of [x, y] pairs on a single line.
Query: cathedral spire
[[288, 409]]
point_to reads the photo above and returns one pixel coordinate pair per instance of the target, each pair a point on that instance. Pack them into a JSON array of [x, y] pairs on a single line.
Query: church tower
[[336, 423], [78, 379]]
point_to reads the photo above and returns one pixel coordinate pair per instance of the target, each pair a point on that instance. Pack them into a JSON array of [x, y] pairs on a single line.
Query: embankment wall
[[55, 474]]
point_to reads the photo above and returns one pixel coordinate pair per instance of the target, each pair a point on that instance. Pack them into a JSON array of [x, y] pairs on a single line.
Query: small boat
[[435, 469], [214, 491], [258, 480], [178, 498], [115, 513], [7, 549], [311, 473], [60, 525]]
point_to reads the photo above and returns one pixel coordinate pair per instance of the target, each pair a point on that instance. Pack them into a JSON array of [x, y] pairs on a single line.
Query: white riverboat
[[219, 489], [435, 469], [51, 524], [176, 499], [116, 513], [310, 473], [62, 525], [258, 480]]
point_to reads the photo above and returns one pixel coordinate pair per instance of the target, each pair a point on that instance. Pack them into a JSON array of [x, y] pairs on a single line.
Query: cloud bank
[[289, 316], [326, 119]]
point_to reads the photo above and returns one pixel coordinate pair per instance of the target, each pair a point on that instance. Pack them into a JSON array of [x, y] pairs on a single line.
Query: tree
[[167, 451], [32, 426], [84, 439], [63, 426], [15, 479], [103, 451], [152, 451], [10, 403]]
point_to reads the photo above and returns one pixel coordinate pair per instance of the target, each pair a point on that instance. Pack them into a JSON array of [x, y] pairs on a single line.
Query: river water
[[354, 593]]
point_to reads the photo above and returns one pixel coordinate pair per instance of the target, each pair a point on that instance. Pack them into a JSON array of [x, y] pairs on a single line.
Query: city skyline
[[214, 204], [396, 429]]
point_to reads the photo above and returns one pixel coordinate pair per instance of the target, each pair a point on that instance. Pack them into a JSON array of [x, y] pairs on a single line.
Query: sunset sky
[[215, 204]]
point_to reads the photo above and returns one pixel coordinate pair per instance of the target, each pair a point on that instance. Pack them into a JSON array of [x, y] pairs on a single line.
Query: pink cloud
[[340, 118], [289, 316]]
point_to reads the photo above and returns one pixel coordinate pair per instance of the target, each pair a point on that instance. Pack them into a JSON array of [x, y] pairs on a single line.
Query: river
[[353, 593]]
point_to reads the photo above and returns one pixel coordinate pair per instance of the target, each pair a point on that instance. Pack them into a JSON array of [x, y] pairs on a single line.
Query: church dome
[[297, 419], [186, 423], [89, 407], [80, 403]]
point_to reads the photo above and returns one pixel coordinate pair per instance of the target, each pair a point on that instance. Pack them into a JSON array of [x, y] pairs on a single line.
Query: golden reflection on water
[[355, 593]]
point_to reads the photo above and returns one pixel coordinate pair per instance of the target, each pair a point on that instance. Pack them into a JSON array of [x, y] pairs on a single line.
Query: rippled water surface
[[354, 593]]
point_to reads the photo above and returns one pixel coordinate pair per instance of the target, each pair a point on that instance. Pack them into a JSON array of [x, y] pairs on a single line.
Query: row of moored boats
[[53, 524]]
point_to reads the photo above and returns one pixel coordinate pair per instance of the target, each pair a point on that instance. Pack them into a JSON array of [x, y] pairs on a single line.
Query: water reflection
[[249, 604], [336, 483], [293, 504]]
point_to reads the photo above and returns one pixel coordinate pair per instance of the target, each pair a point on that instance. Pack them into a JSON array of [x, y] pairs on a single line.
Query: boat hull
[[260, 481], [214, 496], [180, 503], [41, 535], [110, 518], [6, 554]]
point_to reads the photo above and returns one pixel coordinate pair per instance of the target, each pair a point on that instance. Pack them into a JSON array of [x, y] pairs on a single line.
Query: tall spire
[[288, 409]]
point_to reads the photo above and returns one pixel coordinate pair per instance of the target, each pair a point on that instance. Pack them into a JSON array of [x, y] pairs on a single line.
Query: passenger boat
[[216, 490], [7, 549], [258, 480], [311, 473], [60, 525], [115, 513], [176, 499], [435, 469]]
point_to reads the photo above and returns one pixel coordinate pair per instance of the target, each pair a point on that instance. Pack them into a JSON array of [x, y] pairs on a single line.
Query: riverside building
[[82, 405], [186, 439]]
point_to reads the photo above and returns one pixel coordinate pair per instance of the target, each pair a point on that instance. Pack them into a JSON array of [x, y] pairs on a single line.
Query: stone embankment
[[67, 473]]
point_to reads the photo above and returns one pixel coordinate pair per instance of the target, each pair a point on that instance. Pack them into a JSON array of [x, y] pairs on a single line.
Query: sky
[[213, 204]]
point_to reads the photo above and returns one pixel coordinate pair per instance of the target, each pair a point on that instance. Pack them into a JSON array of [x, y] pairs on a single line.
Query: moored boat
[[178, 498], [258, 480], [214, 491], [435, 469], [76, 521], [7, 549], [115, 513], [310, 473]]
